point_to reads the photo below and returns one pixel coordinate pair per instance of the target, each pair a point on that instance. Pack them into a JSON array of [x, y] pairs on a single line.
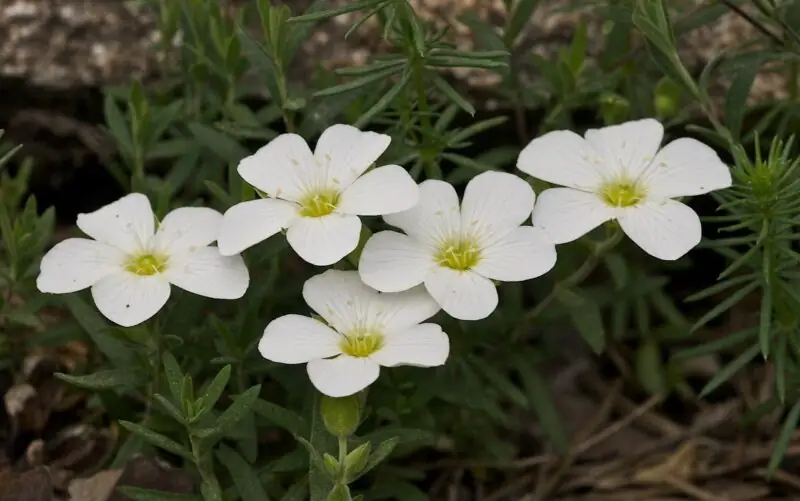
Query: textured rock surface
[[69, 42]]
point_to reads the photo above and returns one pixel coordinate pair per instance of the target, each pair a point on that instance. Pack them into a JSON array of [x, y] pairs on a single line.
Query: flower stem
[[578, 276], [342, 457]]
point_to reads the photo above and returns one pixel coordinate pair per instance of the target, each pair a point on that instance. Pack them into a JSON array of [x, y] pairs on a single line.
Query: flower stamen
[[319, 203], [146, 265], [622, 194], [361, 344], [461, 254]]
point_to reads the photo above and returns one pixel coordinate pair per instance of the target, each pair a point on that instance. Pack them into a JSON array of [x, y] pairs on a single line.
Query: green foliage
[[201, 390]]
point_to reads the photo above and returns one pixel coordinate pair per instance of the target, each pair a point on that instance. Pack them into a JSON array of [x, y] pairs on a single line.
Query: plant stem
[[204, 462], [342, 457], [428, 160], [578, 276]]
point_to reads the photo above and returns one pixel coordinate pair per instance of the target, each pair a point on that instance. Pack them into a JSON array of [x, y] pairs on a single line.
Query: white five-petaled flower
[[618, 173], [365, 330], [457, 251], [317, 196], [130, 264]]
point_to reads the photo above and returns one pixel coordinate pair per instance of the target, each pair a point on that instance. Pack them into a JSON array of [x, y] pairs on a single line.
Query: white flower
[[130, 264], [457, 252], [366, 330], [317, 196], [618, 173]]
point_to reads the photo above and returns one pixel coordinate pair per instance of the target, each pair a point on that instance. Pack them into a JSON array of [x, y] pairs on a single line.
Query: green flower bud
[[341, 416]]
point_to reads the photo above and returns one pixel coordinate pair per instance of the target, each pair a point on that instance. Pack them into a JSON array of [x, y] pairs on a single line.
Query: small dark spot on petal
[[127, 306]]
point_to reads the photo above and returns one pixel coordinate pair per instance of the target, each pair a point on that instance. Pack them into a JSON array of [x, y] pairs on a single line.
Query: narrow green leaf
[[121, 378], [219, 193], [725, 305], [358, 71], [117, 125], [384, 101], [174, 375], [453, 95], [316, 445], [358, 82], [476, 128], [98, 329], [784, 439], [157, 439], [502, 382], [522, 13], [585, 316], [765, 322], [736, 98], [327, 14], [241, 405], [262, 63], [378, 455], [216, 142], [730, 369], [245, 479], [297, 33], [207, 401], [720, 287], [141, 494], [484, 32], [717, 346], [650, 369], [543, 403], [779, 359], [464, 62], [288, 420], [171, 409]]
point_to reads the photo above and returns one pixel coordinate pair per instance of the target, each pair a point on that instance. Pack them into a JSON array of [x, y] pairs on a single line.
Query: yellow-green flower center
[[460, 254], [146, 265], [622, 194], [319, 203], [361, 345]]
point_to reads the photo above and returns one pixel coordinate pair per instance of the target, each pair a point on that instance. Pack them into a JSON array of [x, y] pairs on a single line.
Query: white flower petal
[[282, 168], [326, 240], [343, 375], [128, 299], [436, 217], [423, 345], [525, 253], [248, 223], [347, 152], [686, 167], [566, 214], [402, 310], [206, 272], [77, 263], [562, 157], [628, 148], [462, 294], [666, 230], [340, 298], [127, 224], [494, 204], [187, 228], [295, 339], [384, 190], [393, 262]]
